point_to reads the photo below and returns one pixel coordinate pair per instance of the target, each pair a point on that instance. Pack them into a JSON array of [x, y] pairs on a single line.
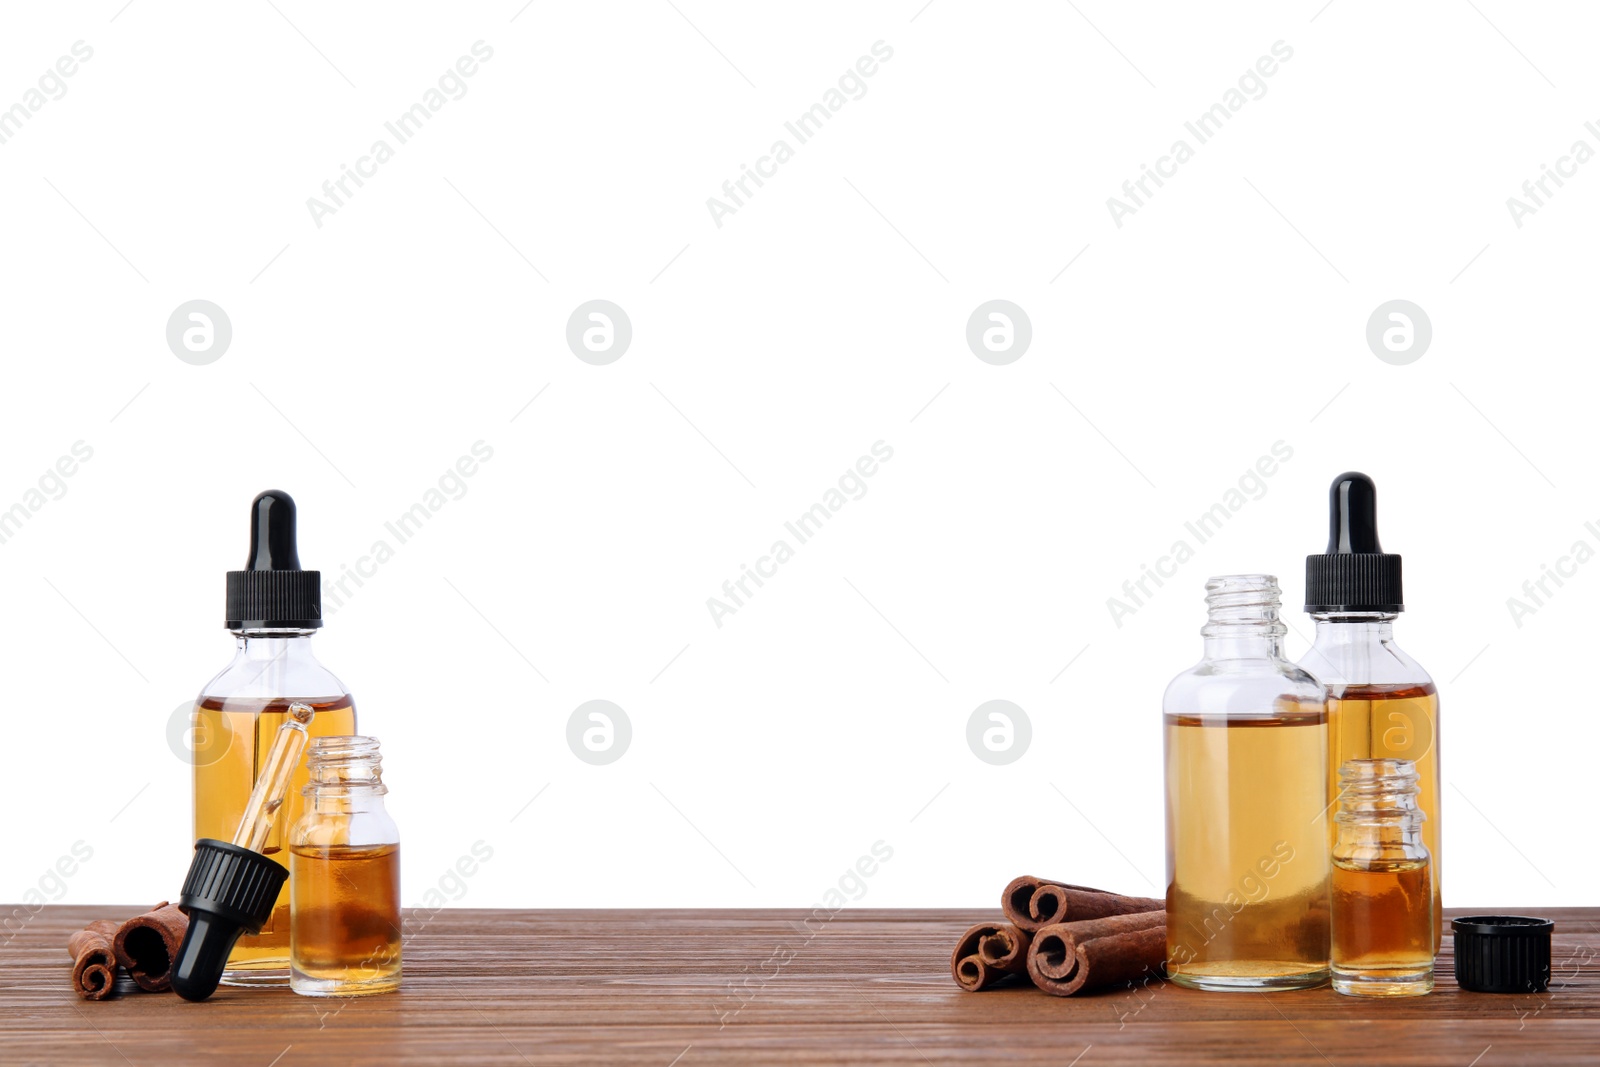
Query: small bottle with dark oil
[[344, 876], [1382, 883]]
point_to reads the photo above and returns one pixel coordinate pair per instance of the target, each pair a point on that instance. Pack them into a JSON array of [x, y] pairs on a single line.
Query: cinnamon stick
[[1033, 903], [147, 944], [1066, 958], [94, 959], [988, 954]]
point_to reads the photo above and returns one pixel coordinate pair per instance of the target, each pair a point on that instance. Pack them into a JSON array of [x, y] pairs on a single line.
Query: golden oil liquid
[[345, 901], [1247, 850], [1393, 722], [231, 738], [1382, 934]]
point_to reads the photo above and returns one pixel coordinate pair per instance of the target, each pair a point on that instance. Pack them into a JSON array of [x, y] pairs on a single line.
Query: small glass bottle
[[1247, 796], [344, 876], [1382, 883], [273, 608]]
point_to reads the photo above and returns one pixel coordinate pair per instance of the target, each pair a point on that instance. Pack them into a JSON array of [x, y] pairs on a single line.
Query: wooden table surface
[[689, 988]]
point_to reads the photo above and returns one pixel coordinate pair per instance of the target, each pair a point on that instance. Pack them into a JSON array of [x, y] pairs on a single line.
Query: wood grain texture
[[689, 988]]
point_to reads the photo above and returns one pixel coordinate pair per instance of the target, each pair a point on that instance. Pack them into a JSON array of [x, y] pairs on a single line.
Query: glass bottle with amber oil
[[273, 609], [1246, 793], [1381, 703], [344, 876], [1382, 883]]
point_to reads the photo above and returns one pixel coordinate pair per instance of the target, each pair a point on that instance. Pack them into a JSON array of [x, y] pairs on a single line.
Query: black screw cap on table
[[229, 890], [1502, 953]]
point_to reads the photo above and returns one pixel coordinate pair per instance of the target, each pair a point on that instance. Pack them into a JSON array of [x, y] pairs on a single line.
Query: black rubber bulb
[[272, 533], [207, 944], [1355, 576], [1353, 515], [273, 592], [229, 891]]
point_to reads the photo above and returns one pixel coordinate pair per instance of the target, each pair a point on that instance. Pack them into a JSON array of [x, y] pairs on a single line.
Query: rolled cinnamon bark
[[1066, 958], [1052, 904], [147, 944], [94, 959], [988, 954], [1033, 903]]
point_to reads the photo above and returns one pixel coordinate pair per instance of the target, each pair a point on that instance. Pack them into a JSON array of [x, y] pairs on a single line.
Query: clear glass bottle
[[1381, 703], [1382, 893], [1247, 798], [344, 876], [274, 608]]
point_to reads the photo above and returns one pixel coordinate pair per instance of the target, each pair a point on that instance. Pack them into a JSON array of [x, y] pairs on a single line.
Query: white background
[[768, 354]]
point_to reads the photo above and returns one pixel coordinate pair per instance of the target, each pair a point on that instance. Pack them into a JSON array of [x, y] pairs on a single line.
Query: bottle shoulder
[[314, 687], [1254, 688], [300, 676], [1341, 660]]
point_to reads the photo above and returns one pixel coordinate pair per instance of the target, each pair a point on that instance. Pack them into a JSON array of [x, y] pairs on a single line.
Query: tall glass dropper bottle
[[273, 608], [1381, 703]]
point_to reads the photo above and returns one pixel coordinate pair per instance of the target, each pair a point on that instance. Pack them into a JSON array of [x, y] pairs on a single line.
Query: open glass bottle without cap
[[1383, 918], [1247, 799], [344, 876]]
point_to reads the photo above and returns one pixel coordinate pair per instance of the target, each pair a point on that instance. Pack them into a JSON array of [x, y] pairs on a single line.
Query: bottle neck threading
[[1380, 795], [1242, 618], [1354, 626], [273, 644], [345, 767]]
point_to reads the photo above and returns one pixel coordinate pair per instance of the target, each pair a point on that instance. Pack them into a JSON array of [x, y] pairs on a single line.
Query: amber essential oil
[[346, 901], [1248, 901], [1377, 937], [231, 737], [1393, 722]]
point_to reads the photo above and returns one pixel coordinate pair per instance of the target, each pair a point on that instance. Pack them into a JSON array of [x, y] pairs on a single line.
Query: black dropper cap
[[272, 592], [230, 890], [1355, 574]]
